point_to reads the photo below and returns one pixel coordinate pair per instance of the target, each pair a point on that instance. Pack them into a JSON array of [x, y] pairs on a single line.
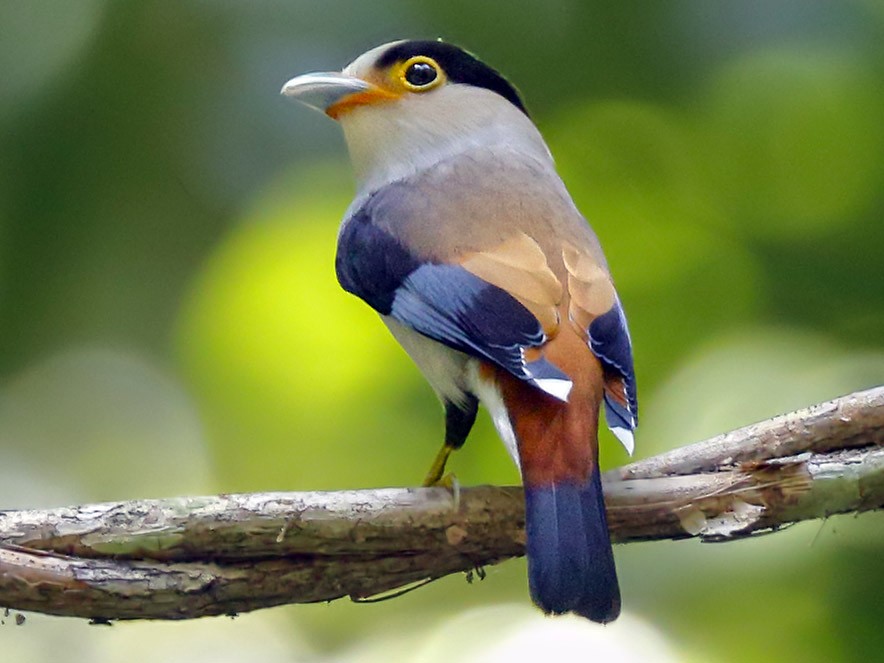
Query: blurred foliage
[[170, 322]]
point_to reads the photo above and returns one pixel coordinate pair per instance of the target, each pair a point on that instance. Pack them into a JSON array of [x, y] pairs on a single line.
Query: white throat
[[389, 142]]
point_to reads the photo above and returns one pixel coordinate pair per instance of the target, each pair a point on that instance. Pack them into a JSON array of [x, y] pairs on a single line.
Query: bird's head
[[408, 104]]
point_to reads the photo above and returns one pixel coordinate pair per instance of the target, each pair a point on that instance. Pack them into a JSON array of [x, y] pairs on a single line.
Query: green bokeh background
[[170, 322]]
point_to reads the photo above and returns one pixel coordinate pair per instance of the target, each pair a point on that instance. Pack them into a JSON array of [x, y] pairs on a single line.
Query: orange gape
[[463, 237]]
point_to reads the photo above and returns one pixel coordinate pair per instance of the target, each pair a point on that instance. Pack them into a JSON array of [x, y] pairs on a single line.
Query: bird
[[464, 238]]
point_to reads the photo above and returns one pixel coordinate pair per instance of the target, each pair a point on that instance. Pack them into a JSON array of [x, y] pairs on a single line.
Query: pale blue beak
[[322, 90]]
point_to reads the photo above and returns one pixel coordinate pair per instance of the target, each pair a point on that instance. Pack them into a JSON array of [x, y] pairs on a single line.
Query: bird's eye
[[420, 73]]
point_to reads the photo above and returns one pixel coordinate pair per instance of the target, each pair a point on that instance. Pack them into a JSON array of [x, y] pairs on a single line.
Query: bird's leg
[[436, 476], [459, 419]]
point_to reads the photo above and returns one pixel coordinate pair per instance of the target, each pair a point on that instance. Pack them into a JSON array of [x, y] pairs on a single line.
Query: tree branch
[[188, 557]]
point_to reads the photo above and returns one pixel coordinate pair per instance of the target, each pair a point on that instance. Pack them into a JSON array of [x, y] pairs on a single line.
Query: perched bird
[[464, 239]]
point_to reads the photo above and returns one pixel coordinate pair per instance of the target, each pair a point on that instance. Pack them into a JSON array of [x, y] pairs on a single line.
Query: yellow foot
[[449, 482], [437, 477], [437, 469]]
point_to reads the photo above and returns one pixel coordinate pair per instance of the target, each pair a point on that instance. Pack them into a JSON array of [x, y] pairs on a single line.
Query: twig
[[189, 557]]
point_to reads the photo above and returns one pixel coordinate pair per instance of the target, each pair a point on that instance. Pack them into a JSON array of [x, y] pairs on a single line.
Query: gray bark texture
[[188, 557]]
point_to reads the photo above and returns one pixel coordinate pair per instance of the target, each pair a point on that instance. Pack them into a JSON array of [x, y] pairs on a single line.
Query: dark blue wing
[[609, 340], [444, 302]]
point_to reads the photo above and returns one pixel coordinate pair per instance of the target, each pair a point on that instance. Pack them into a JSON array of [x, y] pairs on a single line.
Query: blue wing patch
[[457, 308], [370, 263], [444, 302], [609, 340]]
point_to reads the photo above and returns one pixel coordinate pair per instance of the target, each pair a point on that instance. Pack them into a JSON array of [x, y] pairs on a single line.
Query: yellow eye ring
[[420, 73]]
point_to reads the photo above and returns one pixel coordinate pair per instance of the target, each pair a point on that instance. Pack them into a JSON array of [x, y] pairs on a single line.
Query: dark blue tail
[[570, 562]]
